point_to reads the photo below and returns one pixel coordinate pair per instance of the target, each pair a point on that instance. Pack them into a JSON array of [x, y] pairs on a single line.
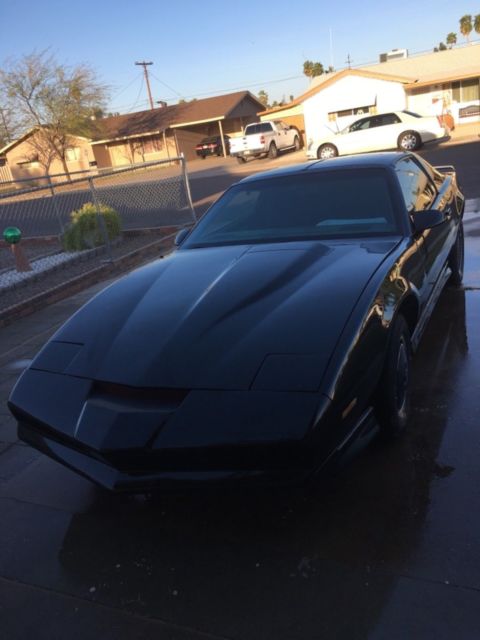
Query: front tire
[[456, 258], [272, 151], [392, 401], [327, 151], [296, 143], [409, 141]]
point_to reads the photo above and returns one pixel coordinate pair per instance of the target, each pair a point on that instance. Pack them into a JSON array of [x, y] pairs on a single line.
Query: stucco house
[[142, 136], [169, 130], [27, 158], [430, 84]]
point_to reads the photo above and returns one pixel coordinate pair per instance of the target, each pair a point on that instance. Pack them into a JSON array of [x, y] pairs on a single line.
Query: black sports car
[[212, 146], [260, 349]]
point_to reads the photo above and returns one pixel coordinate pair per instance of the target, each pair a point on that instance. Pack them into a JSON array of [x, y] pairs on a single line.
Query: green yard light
[[12, 236]]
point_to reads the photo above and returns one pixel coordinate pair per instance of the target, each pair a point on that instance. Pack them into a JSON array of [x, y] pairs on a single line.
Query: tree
[[442, 46], [451, 39], [466, 26], [55, 100], [263, 97], [8, 127], [476, 23], [312, 69]]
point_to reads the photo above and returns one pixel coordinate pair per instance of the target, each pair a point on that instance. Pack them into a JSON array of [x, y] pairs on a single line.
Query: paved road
[[386, 548], [209, 180]]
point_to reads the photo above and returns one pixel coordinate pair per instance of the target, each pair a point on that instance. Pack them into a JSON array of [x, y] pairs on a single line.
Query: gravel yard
[[64, 267]]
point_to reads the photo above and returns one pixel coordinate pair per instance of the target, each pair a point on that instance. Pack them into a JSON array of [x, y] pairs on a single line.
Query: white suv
[[399, 129]]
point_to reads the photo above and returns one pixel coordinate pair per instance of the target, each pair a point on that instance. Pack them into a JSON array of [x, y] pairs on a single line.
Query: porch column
[[176, 141], [221, 138], [165, 144]]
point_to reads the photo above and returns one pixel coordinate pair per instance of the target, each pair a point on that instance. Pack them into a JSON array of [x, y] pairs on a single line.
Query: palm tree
[[451, 39], [476, 23], [312, 69], [466, 26]]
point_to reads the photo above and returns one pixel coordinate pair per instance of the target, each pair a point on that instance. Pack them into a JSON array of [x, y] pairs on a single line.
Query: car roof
[[360, 161]]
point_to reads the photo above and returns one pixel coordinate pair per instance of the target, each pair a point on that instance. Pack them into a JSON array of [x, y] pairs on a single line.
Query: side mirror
[[180, 237], [428, 219]]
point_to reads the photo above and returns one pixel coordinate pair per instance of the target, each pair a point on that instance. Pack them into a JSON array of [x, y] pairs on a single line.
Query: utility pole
[[349, 61], [147, 82]]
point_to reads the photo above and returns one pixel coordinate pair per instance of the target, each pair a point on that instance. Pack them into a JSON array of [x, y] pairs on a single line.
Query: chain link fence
[[145, 196]]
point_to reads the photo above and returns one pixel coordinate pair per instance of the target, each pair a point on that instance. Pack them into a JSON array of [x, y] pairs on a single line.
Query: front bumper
[[134, 439], [107, 476]]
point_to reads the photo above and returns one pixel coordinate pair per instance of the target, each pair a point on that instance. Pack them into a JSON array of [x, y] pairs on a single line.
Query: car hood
[[220, 318]]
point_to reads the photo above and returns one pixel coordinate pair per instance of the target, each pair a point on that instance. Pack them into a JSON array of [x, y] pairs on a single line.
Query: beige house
[[27, 158], [167, 131], [444, 81], [143, 136], [430, 84]]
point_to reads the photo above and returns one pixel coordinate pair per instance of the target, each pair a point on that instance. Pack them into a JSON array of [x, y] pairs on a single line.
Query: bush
[[84, 232]]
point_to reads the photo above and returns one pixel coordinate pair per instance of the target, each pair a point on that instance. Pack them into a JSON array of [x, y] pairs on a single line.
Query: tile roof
[[153, 120]]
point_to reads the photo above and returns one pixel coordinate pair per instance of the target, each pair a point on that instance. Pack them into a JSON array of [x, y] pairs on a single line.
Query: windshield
[[346, 203], [262, 127]]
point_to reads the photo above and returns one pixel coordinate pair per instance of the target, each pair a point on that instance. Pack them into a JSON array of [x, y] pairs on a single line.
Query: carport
[[220, 115]]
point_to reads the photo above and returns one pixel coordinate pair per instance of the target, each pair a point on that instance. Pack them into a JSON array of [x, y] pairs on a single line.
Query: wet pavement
[[386, 547]]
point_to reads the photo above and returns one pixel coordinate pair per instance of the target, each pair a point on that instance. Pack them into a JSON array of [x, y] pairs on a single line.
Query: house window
[[357, 111], [28, 162], [466, 90], [153, 144], [72, 154]]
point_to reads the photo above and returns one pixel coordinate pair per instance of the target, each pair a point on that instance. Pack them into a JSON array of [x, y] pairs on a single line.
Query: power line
[[125, 87], [165, 84], [219, 91], [138, 95]]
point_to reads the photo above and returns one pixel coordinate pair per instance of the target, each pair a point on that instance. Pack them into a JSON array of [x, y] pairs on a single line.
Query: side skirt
[[429, 307]]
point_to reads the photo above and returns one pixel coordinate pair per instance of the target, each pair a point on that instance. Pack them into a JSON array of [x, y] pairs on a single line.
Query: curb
[[83, 281]]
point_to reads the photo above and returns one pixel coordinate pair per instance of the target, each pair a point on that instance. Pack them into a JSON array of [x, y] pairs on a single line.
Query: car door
[[283, 134], [357, 138], [420, 193], [385, 131]]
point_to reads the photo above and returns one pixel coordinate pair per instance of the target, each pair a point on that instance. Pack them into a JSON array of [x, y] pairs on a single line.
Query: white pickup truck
[[264, 138]]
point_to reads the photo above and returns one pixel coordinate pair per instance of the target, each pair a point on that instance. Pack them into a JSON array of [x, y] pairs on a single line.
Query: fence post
[[187, 186], [55, 205], [100, 219]]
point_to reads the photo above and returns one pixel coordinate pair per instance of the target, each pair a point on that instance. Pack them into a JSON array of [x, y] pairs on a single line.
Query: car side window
[[417, 189], [388, 118], [361, 125]]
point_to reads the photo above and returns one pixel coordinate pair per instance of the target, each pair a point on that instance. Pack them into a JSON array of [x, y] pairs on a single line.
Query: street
[[385, 547]]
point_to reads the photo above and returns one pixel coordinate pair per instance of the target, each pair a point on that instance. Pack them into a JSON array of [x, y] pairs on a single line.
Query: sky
[[204, 48]]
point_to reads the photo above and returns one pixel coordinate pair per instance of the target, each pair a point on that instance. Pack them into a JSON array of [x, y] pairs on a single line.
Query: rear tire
[[272, 151], [241, 160], [456, 258], [327, 151], [392, 401], [409, 141]]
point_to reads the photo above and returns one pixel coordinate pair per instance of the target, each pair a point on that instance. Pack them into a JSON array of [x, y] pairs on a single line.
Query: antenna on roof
[[331, 48]]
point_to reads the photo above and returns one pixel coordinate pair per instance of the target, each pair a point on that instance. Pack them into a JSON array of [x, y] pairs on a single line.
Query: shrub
[[84, 231]]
